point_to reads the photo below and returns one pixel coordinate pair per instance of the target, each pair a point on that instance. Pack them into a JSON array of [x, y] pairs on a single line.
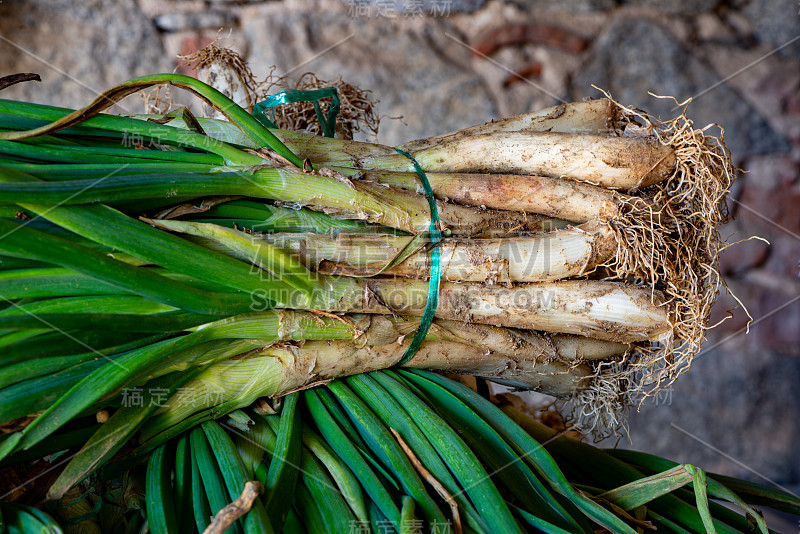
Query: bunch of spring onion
[[161, 272]]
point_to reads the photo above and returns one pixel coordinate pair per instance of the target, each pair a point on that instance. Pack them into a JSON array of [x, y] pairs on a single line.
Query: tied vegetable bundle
[[578, 251], [197, 265]]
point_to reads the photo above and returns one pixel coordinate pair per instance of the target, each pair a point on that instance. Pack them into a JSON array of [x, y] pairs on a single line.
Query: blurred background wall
[[439, 65]]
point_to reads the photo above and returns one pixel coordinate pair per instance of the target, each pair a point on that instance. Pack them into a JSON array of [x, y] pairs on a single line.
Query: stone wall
[[438, 65]]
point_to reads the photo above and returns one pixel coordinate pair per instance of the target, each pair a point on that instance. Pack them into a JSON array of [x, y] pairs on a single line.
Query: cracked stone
[[635, 56], [440, 8], [82, 48], [175, 22], [677, 7], [776, 23]]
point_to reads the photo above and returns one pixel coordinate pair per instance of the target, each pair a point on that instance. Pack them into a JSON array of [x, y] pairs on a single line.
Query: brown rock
[[79, 48], [175, 22], [770, 196], [743, 256], [784, 257], [777, 322]]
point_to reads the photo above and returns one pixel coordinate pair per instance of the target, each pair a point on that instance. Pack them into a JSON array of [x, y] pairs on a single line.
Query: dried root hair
[[225, 70], [600, 407], [668, 238], [357, 109], [158, 100], [214, 54]]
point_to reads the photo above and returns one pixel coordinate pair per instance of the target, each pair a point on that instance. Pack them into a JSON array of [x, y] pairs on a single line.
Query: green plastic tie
[[264, 111], [434, 237]]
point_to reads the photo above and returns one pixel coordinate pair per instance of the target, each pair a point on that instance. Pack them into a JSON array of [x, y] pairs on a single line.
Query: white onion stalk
[[590, 117], [520, 344], [224, 70], [524, 358], [333, 193], [610, 161], [560, 198], [281, 369], [564, 253], [612, 311]]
